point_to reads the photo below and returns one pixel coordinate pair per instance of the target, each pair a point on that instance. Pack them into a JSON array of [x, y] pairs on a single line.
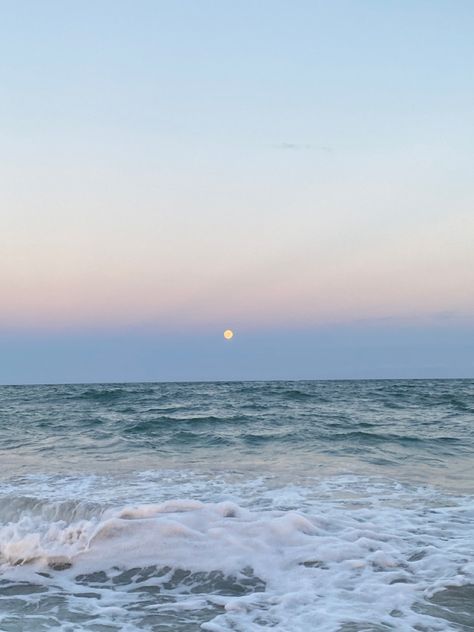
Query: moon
[[228, 334]]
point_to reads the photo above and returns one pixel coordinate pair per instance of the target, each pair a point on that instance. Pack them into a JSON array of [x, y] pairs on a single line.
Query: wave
[[157, 423], [369, 437], [229, 567], [102, 394]]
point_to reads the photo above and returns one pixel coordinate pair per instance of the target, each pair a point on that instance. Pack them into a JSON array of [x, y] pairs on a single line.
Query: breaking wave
[[229, 567]]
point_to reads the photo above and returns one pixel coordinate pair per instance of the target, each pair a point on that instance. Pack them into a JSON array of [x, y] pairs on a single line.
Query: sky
[[299, 171]]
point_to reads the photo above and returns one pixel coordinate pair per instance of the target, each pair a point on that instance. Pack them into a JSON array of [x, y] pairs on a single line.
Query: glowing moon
[[228, 334]]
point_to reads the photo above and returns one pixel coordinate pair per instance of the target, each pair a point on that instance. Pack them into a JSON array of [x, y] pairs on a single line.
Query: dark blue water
[[237, 506]]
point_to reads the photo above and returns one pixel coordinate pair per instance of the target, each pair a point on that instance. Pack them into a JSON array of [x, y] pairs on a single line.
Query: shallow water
[[333, 506]]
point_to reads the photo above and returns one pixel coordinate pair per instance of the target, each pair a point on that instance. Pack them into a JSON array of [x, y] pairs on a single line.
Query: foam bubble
[[350, 552]]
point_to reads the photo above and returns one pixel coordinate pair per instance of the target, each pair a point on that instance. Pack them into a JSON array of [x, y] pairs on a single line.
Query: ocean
[[337, 506]]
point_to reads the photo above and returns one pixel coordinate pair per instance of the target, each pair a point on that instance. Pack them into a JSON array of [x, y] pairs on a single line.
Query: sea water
[[292, 506]]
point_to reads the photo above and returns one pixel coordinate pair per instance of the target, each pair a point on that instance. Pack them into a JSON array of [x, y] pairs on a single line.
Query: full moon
[[228, 334]]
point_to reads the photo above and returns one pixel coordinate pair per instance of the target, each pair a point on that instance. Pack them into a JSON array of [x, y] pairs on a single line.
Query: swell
[[61, 423], [16, 508], [164, 422]]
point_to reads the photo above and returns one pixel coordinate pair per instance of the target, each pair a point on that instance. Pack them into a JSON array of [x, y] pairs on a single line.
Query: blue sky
[[298, 171], [355, 351]]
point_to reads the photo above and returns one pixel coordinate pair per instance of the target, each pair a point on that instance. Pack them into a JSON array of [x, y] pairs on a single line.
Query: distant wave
[[102, 395]]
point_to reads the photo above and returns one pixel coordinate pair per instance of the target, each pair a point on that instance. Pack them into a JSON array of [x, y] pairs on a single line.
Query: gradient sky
[[299, 171]]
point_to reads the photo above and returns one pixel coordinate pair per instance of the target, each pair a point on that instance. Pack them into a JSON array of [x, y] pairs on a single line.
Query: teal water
[[331, 506]]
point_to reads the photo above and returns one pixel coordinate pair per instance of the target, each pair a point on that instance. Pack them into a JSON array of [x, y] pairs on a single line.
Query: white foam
[[331, 559]]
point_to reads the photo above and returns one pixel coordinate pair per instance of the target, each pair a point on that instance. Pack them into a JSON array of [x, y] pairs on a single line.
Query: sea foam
[[231, 567]]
